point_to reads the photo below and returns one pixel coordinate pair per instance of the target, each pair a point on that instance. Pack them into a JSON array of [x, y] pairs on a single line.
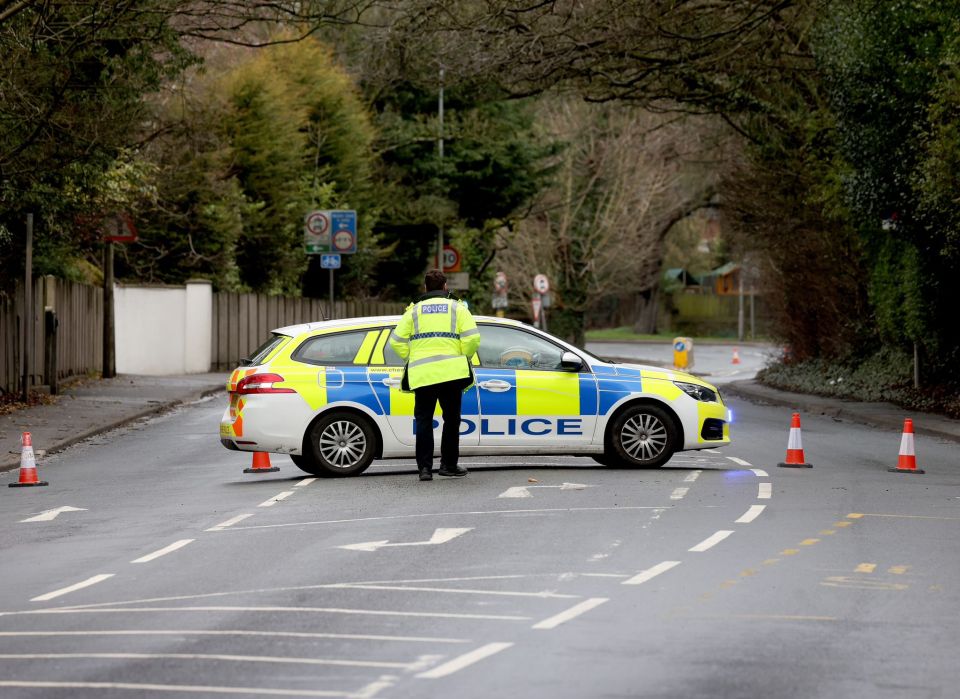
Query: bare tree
[[624, 179]]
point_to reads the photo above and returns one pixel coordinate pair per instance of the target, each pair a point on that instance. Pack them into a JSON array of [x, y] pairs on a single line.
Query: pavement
[[94, 406]]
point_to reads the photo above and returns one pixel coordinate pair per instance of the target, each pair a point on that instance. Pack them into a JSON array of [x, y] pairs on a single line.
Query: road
[[720, 575], [713, 362]]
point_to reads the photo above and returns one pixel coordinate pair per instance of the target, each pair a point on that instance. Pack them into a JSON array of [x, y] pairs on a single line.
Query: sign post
[[330, 234]]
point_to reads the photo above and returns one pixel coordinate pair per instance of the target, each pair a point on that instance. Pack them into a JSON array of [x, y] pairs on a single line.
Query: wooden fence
[[241, 322], [78, 309]]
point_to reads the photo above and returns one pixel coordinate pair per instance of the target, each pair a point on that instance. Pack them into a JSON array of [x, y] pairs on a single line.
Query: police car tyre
[[340, 444], [301, 461], [642, 436]]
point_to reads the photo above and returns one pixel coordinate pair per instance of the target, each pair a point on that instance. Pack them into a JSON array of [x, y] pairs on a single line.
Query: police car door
[[385, 371], [527, 399]]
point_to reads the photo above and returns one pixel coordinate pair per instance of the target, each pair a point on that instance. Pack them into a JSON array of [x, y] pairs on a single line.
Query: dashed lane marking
[[572, 613], [276, 498], [228, 523], [651, 573], [760, 472], [164, 551], [751, 514], [72, 588], [304, 483], [692, 477], [764, 491], [739, 462], [866, 568], [678, 493], [710, 541], [465, 660]]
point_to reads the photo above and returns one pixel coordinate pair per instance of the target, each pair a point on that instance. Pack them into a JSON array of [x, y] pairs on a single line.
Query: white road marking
[[229, 523], [574, 611], [49, 515], [238, 632], [751, 514], [524, 490], [711, 541], [164, 551], [183, 688], [304, 483], [651, 573], [465, 660], [692, 477], [739, 462], [764, 491], [276, 498], [72, 588], [298, 610], [375, 687], [440, 536], [565, 510], [544, 594], [760, 472], [202, 656], [678, 493]]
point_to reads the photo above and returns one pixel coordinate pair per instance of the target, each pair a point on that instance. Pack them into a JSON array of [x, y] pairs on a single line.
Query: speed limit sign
[[541, 284]]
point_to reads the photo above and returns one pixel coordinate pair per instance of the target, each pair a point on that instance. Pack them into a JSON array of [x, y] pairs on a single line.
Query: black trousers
[[449, 393]]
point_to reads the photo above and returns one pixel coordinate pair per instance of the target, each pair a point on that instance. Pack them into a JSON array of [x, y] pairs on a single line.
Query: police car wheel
[[341, 444], [643, 436]]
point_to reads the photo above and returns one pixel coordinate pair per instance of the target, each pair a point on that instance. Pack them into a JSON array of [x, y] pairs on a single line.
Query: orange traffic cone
[[795, 457], [28, 465], [736, 356], [907, 463], [261, 463]]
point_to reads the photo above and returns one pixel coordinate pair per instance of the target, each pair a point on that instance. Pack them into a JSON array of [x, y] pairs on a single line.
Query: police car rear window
[[338, 348], [263, 351]]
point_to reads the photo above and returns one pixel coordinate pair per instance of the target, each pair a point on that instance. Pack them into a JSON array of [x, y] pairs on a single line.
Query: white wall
[[163, 330]]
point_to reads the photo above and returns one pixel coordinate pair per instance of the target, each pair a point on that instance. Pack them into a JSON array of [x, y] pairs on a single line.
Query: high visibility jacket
[[437, 336]]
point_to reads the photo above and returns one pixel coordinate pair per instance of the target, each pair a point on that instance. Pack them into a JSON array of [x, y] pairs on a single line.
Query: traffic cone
[[907, 462], [28, 464], [795, 457], [736, 356], [261, 463]]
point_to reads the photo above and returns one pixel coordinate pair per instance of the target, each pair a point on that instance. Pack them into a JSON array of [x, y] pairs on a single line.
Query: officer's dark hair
[[434, 280]]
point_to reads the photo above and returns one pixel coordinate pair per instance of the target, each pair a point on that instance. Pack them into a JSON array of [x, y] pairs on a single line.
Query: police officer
[[437, 337]]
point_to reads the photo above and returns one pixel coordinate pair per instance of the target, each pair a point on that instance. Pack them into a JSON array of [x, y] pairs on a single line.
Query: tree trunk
[[645, 311]]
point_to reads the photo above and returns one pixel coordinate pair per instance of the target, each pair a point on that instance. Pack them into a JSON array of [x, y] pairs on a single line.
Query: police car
[[328, 394]]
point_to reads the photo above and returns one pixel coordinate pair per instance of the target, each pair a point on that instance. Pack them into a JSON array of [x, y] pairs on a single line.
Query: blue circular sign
[[680, 346]]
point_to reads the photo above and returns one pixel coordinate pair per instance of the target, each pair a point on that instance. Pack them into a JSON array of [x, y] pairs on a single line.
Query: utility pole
[[27, 326], [440, 155], [740, 307], [109, 369]]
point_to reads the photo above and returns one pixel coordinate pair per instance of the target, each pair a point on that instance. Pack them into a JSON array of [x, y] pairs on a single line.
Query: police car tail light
[[262, 383]]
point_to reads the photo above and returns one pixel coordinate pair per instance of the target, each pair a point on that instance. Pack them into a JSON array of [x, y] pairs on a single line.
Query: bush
[[884, 376]]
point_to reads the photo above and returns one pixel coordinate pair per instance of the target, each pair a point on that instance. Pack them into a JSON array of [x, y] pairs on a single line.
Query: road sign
[[451, 259], [541, 283], [500, 282], [316, 232], [343, 229], [535, 303], [330, 231], [330, 261], [118, 228], [458, 280]]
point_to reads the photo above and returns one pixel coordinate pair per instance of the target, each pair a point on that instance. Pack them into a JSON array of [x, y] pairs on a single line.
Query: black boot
[[426, 474], [452, 471]]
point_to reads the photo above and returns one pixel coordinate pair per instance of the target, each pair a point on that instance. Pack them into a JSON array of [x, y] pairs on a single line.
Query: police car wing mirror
[[571, 361]]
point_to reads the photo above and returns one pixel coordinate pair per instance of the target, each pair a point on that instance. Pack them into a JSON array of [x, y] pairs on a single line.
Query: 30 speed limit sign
[[541, 284]]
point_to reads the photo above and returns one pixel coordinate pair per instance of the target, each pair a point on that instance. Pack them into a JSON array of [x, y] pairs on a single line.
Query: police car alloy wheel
[[341, 444], [642, 436]]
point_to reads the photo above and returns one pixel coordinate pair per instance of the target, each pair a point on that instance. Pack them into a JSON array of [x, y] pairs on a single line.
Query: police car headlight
[[697, 392]]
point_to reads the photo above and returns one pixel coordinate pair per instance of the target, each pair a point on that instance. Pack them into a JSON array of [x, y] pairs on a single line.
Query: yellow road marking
[[842, 524], [748, 572], [771, 561], [874, 514], [728, 583], [827, 532], [790, 552], [866, 568], [842, 581], [854, 515], [898, 570], [809, 542]]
